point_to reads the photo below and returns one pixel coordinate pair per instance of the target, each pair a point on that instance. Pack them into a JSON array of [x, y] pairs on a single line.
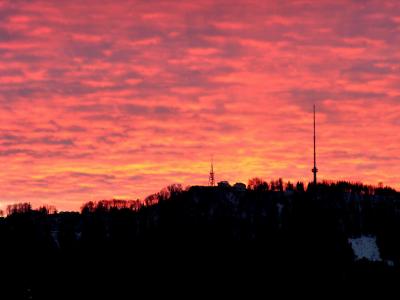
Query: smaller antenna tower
[[211, 179]]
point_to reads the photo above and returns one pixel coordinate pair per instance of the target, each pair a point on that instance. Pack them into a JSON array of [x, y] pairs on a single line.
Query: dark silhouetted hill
[[254, 237]]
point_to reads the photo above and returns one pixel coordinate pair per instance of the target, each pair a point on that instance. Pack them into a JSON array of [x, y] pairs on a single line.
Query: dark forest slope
[[232, 237]]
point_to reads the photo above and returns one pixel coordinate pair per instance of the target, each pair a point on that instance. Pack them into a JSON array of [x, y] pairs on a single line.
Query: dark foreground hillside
[[230, 238]]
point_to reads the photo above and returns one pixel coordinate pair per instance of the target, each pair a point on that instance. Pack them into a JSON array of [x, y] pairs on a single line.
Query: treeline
[[277, 229], [171, 191]]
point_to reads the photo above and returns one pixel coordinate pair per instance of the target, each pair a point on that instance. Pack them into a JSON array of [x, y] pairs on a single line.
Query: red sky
[[103, 99]]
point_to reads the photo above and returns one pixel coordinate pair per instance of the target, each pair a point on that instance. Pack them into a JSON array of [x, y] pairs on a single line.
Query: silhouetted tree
[[19, 208], [280, 185], [257, 184], [47, 209], [300, 187], [289, 186]]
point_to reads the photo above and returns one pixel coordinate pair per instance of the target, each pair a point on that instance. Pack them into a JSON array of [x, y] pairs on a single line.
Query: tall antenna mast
[[315, 170], [211, 179]]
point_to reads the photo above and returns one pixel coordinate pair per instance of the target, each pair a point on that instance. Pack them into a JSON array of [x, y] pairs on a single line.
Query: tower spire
[[315, 170], [211, 179]]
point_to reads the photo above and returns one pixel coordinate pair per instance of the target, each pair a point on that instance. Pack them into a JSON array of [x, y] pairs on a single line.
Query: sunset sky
[[104, 99]]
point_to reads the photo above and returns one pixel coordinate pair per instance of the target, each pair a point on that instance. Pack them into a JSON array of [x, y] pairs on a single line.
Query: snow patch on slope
[[365, 247]]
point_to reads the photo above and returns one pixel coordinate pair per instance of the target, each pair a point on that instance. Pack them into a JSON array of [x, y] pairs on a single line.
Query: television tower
[[211, 179], [315, 170]]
